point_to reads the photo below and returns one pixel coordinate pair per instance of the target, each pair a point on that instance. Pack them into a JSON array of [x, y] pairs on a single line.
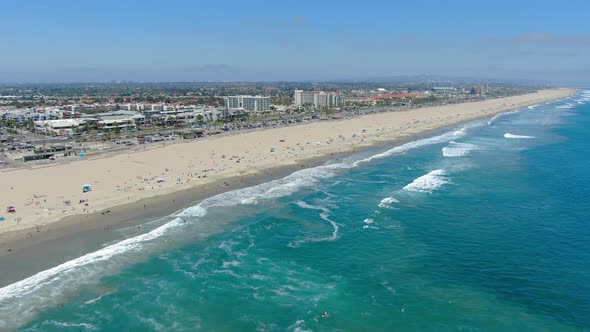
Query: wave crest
[[455, 149], [415, 144], [512, 136], [429, 182], [387, 201], [46, 288]]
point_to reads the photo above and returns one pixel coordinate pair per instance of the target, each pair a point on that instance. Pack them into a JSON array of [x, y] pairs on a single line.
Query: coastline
[[96, 231], [166, 202]]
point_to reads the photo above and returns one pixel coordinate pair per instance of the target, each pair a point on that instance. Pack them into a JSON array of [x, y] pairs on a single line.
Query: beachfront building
[[118, 120], [116, 123], [319, 98], [36, 114], [47, 152], [392, 96], [115, 120], [199, 116], [185, 115], [399, 99], [59, 127], [248, 103]]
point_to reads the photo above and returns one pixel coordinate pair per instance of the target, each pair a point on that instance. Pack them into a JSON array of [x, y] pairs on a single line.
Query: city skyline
[[67, 41]]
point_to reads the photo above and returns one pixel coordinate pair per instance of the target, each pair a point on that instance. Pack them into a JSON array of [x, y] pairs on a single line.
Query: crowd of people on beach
[[128, 177]]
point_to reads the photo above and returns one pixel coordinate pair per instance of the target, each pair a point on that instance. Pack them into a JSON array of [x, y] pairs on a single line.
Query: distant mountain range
[[224, 73], [442, 79]]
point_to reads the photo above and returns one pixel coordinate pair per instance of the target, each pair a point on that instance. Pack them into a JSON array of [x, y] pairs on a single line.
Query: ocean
[[483, 227]]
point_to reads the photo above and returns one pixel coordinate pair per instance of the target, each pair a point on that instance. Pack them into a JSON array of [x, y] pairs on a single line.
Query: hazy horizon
[[68, 41]]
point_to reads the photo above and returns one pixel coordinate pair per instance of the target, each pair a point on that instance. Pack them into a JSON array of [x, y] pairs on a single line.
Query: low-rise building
[[59, 127], [121, 122], [395, 96], [47, 152], [118, 120]]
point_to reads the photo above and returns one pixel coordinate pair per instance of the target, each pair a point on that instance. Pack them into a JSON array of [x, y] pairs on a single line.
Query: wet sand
[[94, 227], [75, 236]]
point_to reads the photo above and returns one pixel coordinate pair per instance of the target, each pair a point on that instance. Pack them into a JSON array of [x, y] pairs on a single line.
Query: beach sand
[[50, 203]]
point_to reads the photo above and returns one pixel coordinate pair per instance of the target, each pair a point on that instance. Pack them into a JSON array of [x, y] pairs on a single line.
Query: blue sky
[[283, 40]]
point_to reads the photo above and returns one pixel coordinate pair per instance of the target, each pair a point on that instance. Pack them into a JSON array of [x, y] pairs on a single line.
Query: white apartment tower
[[319, 98], [248, 103]]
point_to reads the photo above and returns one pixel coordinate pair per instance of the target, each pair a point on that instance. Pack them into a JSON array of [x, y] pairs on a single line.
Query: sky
[[175, 40]]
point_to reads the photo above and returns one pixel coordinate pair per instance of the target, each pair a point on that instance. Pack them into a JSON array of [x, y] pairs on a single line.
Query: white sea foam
[[304, 205], [78, 326], [368, 221], [96, 299], [298, 327], [455, 149], [512, 136], [499, 115], [429, 182], [371, 227], [265, 191], [565, 106], [325, 215], [415, 144], [387, 201], [46, 288], [227, 264]]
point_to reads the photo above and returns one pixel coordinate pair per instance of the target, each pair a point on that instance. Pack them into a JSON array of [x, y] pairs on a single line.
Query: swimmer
[[324, 314]]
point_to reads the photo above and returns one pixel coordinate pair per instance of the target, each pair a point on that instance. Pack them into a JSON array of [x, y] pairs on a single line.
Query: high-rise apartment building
[[248, 103], [319, 98]]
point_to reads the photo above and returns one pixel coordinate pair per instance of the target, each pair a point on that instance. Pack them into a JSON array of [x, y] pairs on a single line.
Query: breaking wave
[[565, 106], [512, 136], [47, 288], [449, 136], [455, 149], [387, 201], [499, 115], [43, 290], [429, 182]]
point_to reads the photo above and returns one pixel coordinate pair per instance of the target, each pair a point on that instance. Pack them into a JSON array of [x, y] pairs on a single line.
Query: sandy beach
[[49, 199]]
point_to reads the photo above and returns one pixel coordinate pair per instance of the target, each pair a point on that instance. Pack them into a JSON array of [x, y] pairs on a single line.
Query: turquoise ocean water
[[482, 228]]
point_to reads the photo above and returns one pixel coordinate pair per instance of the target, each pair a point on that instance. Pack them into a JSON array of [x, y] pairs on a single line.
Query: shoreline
[[55, 243], [14, 249]]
